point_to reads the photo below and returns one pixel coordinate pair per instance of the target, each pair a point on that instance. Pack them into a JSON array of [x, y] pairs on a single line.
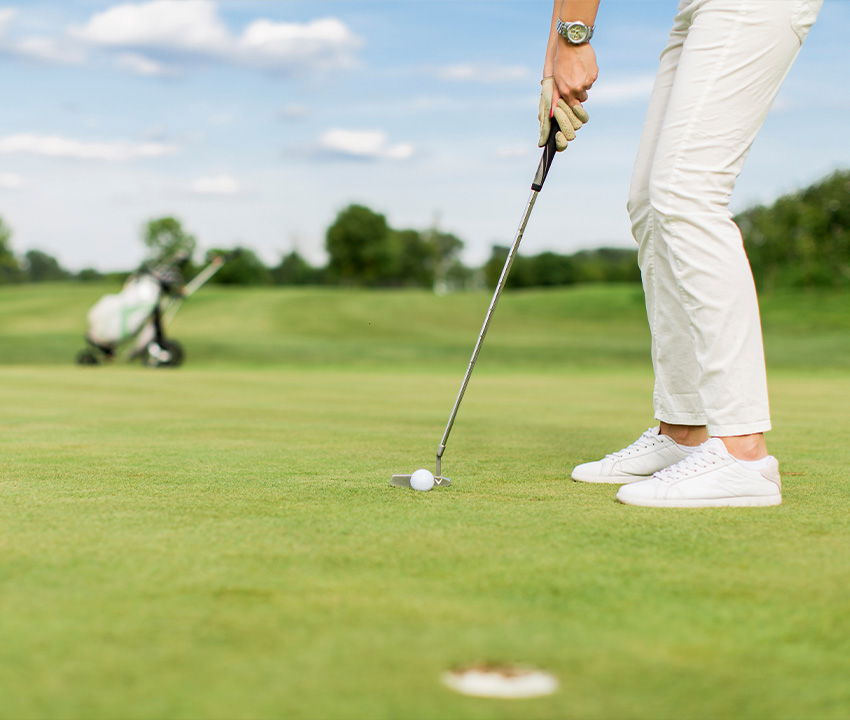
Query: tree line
[[363, 251], [801, 240]]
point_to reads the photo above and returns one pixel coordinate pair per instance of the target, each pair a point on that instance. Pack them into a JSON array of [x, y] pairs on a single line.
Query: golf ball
[[422, 480]]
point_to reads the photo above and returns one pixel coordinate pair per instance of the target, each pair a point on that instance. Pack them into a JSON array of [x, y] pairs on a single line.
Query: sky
[[256, 122]]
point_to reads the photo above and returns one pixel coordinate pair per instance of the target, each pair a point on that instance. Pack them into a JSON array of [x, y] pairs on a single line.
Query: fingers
[[580, 113], [561, 141], [573, 95], [565, 126], [544, 112], [545, 123], [565, 116], [569, 120]]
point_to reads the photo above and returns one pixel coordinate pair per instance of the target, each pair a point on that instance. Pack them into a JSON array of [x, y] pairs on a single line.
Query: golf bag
[[139, 315]]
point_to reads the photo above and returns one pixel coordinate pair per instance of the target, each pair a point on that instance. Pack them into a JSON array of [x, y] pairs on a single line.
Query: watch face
[[577, 33]]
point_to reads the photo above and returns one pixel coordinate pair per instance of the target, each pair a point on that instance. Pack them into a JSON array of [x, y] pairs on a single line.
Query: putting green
[[221, 540]]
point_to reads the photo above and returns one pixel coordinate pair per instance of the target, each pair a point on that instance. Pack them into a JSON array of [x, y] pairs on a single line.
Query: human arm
[[568, 72]]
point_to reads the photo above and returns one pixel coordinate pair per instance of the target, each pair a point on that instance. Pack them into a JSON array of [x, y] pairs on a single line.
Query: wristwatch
[[575, 33]]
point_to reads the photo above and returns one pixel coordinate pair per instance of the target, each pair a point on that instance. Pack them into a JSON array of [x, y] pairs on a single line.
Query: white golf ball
[[422, 480]]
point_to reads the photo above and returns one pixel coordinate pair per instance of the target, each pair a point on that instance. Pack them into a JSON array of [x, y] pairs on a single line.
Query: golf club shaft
[[536, 186], [501, 284]]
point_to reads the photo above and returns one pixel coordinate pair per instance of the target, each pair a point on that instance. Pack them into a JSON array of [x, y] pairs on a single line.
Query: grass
[[220, 541]]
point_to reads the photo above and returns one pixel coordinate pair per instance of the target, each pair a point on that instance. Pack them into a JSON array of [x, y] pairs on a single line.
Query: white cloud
[[7, 15], [138, 64], [61, 147], [44, 49], [482, 73], [49, 50], [216, 185], [11, 181], [363, 144], [187, 25], [193, 29], [326, 43]]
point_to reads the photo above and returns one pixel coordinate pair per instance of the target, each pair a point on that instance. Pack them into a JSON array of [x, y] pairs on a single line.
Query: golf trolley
[[140, 314]]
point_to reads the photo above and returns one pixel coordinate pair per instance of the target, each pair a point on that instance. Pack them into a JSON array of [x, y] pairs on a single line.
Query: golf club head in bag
[[549, 152]]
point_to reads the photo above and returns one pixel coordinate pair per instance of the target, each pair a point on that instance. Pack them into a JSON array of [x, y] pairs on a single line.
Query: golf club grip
[[549, 152]]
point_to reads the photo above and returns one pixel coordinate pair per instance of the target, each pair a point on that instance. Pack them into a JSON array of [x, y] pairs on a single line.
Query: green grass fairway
[[220, 541]]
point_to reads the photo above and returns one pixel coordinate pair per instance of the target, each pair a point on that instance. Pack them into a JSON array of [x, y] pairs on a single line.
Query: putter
[[549, 152]]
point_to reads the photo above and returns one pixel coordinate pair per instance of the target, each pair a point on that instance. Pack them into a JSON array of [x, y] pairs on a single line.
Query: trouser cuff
[[739, 429]]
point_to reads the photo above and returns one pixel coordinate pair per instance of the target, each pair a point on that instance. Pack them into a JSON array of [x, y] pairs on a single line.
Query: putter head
[[403, 481]]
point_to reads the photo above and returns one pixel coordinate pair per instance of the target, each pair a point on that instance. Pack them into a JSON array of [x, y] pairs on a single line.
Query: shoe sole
[[750, 501], [611, 479]]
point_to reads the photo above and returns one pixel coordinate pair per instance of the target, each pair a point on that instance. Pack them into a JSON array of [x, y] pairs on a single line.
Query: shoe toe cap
[[645, 490], [584, 471], [588, 472]]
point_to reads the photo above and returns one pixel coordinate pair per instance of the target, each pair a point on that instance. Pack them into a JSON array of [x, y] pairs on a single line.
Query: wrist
[[564, 43], [573, 53]]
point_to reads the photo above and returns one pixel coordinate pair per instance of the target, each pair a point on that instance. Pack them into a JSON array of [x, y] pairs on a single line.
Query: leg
[[675, 397], [729, 70], [687, 435], [732, 64]]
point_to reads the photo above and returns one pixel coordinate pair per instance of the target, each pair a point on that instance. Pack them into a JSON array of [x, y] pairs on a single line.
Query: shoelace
[[698, 460], [648, 439]]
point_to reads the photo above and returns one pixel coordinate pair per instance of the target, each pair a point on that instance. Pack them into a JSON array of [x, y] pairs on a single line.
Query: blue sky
[[255, 122]]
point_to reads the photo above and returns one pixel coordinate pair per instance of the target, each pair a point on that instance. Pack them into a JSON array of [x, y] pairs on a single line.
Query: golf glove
[[569, 119]]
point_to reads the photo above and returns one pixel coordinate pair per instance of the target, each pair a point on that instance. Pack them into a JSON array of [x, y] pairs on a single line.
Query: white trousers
[[718, 77]]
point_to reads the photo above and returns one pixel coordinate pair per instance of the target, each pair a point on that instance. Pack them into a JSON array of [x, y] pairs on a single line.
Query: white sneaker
[[708, 477], [647, 455]]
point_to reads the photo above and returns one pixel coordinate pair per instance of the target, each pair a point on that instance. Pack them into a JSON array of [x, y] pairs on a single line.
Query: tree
[[365, 250], [495, 263], [445, 252], [89, 275], [606, 265], [359, 246], [551, 269], [243, 268], [459, 277], [295, 270], [413, 259], [10, 270], [164, 237], [41, 267], [803, 239]]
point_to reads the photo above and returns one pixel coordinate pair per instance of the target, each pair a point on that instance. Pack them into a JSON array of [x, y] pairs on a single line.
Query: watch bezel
[[565, 29]]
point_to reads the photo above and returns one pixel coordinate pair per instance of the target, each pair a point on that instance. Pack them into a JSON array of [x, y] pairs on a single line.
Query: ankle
[[687, 435], [746, 447]]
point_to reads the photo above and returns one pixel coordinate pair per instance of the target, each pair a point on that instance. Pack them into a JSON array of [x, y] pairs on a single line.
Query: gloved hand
[[569, 119]]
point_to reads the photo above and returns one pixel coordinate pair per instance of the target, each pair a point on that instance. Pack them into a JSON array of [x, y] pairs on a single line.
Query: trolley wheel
[[87, 357], [169, 353]]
